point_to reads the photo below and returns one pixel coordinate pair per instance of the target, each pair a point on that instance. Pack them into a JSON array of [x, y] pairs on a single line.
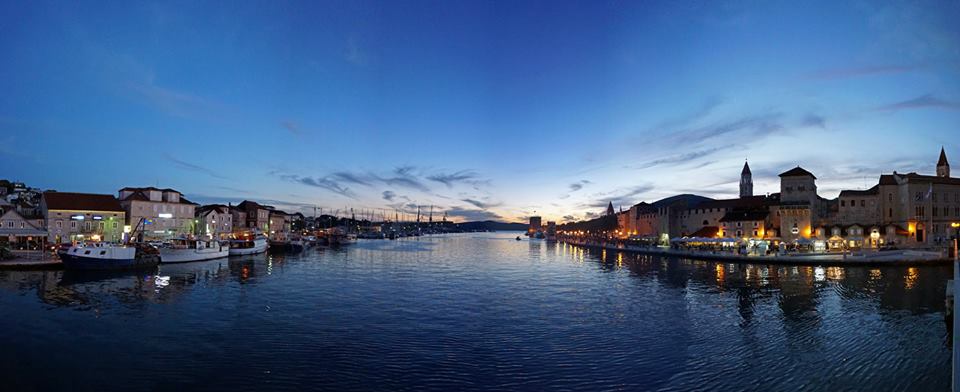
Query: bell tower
[[746, 181], [943, 167]]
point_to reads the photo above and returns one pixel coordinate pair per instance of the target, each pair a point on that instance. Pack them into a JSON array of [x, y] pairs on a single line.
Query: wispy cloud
[[813, 121], [404, 176], [755, 125], [854, 72], [176, 103], [472, 215], [449, 179], [705, 109], [578, 185], [482, 204], [322, 183], [291, 126], [353, 178], [192, 167], [389, 195], [619, 197], [681, 158], [928, 101]]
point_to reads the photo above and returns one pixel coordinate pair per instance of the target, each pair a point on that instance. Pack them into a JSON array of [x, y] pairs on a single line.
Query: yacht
[[106, 256], [182, 250], [248, 245]]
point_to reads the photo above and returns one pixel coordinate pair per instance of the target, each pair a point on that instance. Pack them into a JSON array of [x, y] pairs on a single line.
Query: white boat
[[182, 250], [248, 246], [104, 256]]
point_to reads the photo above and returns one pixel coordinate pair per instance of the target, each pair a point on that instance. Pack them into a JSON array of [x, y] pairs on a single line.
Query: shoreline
[[801, 259]]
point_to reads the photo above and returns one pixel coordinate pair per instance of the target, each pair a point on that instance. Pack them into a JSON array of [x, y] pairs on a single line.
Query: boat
[[182, 250], [339, 236], [287, 244], [248, 245], [106, 256], [518, 238]]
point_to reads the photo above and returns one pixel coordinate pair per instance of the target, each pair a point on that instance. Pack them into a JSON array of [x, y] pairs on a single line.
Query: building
[[72, 217], [163, 213], [254, 216], [536, 224], [214, 220], [19, 232], [746, 181], [278, 222]]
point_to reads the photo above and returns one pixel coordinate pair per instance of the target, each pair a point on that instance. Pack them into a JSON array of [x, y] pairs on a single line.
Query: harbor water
[[475, 312]]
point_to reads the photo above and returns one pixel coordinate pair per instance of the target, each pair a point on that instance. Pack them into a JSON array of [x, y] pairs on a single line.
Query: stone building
[[214, 220], [163, 213], [73, 217]]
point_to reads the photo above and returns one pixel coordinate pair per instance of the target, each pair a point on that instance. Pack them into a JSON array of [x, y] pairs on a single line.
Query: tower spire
[[746, 181], [943, 167]]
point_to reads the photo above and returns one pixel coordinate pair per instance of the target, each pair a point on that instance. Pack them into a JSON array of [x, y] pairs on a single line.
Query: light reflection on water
[[476, 312]]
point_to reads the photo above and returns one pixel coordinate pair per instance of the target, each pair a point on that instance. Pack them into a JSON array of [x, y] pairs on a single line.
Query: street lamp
[[956, 234]]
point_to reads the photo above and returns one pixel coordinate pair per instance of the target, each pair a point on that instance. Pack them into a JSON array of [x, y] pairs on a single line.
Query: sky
[[484, 110]]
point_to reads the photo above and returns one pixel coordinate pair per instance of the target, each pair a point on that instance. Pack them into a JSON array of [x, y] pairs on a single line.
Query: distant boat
[[104, 256], [518, 238], [248, 246], [182, 250]]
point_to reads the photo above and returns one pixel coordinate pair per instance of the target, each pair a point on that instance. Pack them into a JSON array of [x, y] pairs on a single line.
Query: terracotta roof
[[81, 201], [797, 172]]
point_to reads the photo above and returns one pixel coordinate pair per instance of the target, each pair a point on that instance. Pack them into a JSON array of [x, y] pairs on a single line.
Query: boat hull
[[187, 255], [78, 262]]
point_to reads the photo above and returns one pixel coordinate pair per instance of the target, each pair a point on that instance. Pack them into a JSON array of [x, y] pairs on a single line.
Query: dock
[[908, 257], [31, 264]]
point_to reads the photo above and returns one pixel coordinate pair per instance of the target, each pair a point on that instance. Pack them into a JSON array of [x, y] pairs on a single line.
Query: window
[[739, 224], [843, 203], [801, 188], [890, 197], [754, 233], [59, 224], [114, 225], [10, 224], [863, 203], [21, 225], [890, 213], [73, 224]]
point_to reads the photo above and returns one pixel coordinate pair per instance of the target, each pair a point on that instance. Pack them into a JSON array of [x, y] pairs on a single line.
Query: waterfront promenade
[[895, 257]]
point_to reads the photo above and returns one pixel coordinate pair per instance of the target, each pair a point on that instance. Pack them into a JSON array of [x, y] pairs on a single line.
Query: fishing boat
[[182, 250], [249, 245], [105, 256]]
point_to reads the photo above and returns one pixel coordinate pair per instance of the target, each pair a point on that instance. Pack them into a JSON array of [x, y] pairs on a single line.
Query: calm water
[[475, 312]]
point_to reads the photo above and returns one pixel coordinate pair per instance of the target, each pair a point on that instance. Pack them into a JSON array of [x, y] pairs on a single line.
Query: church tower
[[746, 182], [943, 167]]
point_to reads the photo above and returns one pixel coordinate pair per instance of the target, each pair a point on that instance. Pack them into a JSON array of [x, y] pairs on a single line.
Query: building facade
[[159, 213], [76, 217], [214, 220]]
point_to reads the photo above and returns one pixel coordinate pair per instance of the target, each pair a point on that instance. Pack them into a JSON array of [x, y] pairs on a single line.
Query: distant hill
[[493, 225]]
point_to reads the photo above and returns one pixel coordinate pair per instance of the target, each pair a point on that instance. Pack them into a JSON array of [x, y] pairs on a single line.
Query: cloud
[[352, 178], [569, 218], [481, 204], [681, 158], [192, 167], [472, 215], [176, 103], [389, 195], [292, 127], [921, 102], [755, 126], [854, 72], [322, 183], [404, 176], [620, 197], [705, 109], [449, 179], [813, 121], [578, 185]]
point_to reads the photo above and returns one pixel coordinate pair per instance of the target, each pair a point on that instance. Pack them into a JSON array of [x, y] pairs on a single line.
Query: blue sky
[[482, 109]]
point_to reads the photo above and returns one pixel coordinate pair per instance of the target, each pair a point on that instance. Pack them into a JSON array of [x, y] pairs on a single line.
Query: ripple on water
[[476, 312]]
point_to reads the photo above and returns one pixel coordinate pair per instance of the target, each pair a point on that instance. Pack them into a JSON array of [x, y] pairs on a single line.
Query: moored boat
[[105, 256], [248, 246], [182, 250]]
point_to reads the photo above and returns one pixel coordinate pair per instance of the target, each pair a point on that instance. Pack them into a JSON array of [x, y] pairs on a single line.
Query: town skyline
[[367, 105]]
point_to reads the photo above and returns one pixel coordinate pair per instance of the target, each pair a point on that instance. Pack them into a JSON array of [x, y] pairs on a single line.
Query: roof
[[746, 169], [911, 177], [149, 188], [745, 216], [743, 202], [797, 172], [220, 208], [81, 201], [869, 192], [887, 179], [943, 158], [706, 231], [139, 195]]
